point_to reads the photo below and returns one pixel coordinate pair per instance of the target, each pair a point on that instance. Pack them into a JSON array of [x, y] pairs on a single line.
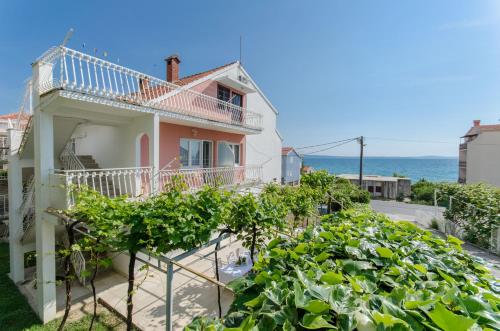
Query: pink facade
[[209, 87], [171, 134], [144, 150]]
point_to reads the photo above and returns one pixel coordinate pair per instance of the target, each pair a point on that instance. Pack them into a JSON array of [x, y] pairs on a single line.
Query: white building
[[479, 155], [124, 132]]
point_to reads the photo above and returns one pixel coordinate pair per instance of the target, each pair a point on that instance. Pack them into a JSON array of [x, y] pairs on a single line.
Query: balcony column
[[154, 152], [15, 221], [44, 223]]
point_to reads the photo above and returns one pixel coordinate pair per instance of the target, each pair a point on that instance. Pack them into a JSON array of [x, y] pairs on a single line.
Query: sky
[[410, 76]]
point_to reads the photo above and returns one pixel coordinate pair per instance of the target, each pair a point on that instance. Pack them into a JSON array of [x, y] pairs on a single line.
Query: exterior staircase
[[88, 161]]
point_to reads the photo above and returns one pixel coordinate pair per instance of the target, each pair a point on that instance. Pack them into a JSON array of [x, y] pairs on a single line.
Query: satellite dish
[[68, 37]]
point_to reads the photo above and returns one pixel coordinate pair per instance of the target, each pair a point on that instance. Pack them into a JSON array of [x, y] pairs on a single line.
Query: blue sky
[[404, 70]]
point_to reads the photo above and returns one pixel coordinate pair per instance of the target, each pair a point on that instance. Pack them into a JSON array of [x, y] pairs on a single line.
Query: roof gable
[[193, 80]]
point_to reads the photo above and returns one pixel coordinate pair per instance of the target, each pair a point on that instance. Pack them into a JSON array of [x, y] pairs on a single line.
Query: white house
[[124, 132], [479, 155]]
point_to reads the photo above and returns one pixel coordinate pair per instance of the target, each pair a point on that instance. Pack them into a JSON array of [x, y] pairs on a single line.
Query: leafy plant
[[359, 270], [475, 208]]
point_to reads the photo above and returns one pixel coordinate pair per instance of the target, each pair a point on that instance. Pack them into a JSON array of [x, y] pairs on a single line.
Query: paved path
[[422, 216]]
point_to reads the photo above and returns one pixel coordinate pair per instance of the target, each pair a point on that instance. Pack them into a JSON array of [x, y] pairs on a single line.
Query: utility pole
[[361, 145]]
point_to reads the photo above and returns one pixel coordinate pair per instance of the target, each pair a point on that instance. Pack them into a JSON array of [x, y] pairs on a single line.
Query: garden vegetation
[[358, 270]]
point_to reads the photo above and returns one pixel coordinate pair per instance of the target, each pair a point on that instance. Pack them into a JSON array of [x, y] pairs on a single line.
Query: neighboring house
[[307, 169], [479, 155], [123, 132], [291, 163], [8, 121], [383, 186]]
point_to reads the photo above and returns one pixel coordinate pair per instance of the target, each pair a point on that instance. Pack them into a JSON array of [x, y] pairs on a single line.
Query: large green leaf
[[315, 321], [449, 321]]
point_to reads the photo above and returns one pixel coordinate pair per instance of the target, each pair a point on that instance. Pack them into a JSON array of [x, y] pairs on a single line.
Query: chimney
[[173, 67], [476, 122]]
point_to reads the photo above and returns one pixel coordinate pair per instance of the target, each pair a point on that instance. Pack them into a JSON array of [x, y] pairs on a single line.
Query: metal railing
[[4, 148], [219, 176], [27, 209], [26, 132], [69, 160], [75, 71], [132, 182], [79, 265], [4, 205]]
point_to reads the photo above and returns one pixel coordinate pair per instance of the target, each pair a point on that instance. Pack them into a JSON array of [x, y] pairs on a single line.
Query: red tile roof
[[475, 130], [191, 78], [13, 116], [286, 150]]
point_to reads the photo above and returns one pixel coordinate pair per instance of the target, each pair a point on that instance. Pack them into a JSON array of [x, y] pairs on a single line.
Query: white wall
[[263, 148], [113, 146], [483, 159]]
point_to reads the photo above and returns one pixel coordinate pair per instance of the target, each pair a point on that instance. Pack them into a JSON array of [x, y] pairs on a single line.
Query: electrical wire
[[330, 143], [331, 147]]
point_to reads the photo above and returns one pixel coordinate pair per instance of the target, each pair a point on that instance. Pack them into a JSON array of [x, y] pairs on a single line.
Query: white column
[[45, 234], [154, 151], [15, 221]]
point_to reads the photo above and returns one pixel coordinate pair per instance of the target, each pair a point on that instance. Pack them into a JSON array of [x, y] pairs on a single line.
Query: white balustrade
[[132, 182], [76, 71], [219, 176]]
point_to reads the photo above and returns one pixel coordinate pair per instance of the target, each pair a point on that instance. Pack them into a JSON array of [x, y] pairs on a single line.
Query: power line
[[425, 141], [413, 140], [330, 143], [331, 147]]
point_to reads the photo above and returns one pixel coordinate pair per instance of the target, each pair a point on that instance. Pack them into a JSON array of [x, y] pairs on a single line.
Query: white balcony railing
[[219, 176], [140, 182], [75, 71], [132, 182]]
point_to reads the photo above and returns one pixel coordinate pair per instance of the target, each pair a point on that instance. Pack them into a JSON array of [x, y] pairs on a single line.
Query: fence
[[453, 227]]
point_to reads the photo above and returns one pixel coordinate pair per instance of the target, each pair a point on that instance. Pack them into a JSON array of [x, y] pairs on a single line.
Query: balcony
[[137, 183], [70, 70], [462, 146]]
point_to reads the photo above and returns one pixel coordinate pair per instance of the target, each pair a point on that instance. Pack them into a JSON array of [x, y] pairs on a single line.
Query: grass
[[16, 314]]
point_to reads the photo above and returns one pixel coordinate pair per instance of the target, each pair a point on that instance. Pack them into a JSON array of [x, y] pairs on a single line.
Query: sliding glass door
[[195, 153]]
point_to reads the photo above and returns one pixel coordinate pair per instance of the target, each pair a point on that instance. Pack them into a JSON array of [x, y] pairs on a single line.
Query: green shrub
[[361, 271], [422, 192], [475, 208]]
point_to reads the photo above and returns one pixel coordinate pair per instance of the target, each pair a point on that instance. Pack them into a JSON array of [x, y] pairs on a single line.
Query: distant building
[[383, 186], [479, 155], [291, 163], [307, 169]]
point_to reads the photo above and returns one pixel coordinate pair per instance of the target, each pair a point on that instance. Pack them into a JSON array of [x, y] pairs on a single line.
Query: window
[[228, 154], [370, 189], [378, 189], [223, 93], [195, 153], [237, 99]]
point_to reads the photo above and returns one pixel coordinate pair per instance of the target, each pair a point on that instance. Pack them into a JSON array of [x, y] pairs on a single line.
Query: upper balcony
[[70, 70]]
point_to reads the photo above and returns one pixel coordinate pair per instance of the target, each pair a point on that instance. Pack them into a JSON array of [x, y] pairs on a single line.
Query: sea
[[435, 169]]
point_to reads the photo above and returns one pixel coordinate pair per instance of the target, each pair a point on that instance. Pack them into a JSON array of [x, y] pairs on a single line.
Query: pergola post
[[15, 221], [170, 295]]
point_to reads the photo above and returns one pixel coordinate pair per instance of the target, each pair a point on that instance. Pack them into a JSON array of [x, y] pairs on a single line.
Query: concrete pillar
[[15, 221], [44, 224], [154, 151]]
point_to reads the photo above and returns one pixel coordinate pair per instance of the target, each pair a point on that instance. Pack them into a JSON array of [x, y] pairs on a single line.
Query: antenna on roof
[[68, 37]]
